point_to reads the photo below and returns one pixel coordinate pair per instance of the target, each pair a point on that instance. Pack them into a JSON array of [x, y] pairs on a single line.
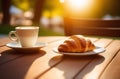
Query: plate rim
[[35, 47], [55, 49]]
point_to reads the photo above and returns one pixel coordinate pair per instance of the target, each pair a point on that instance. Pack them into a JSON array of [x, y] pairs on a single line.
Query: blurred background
[[49, 14]]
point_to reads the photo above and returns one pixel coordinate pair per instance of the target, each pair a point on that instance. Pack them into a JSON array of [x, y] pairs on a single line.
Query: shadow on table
[[71, 66], [14, 65]]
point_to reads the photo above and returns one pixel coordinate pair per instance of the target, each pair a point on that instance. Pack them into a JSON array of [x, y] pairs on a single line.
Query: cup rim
[[27, 27]]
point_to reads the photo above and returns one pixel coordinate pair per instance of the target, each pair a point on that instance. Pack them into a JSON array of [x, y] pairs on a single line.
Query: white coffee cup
[[26, 36]]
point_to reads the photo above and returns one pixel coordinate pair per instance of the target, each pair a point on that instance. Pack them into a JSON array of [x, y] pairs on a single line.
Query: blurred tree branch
[[38, 11], [5, 5]]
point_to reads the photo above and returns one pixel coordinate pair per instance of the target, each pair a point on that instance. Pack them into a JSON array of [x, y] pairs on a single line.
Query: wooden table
[[47, 64]]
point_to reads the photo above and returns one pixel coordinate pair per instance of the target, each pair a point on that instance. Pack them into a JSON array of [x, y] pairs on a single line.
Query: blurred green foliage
[[23, 4], [5, 29], [0, 6], [28, 4], [52, 5], [48, 32]]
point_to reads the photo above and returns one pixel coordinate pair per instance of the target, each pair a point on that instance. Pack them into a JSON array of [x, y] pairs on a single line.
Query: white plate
[[97, 50], [16, 46]]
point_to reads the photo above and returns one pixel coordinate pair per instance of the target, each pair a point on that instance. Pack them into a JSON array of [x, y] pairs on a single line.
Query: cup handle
[[13, 38]]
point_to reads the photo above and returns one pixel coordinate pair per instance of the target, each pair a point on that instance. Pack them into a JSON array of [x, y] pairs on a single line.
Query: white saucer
[[16, 46], [97, 50]]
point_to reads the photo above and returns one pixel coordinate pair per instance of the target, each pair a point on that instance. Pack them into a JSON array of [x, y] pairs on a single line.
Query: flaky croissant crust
[[76, 43]]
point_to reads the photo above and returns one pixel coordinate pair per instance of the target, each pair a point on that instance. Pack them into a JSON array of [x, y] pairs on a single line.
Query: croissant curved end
[[62, 48]]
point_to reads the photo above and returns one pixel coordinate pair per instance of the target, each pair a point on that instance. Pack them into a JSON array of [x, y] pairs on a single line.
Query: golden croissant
[[76, 43]]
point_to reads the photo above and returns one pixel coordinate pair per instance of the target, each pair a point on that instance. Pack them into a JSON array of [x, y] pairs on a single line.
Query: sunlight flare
[[61, 1], [79, 4]]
